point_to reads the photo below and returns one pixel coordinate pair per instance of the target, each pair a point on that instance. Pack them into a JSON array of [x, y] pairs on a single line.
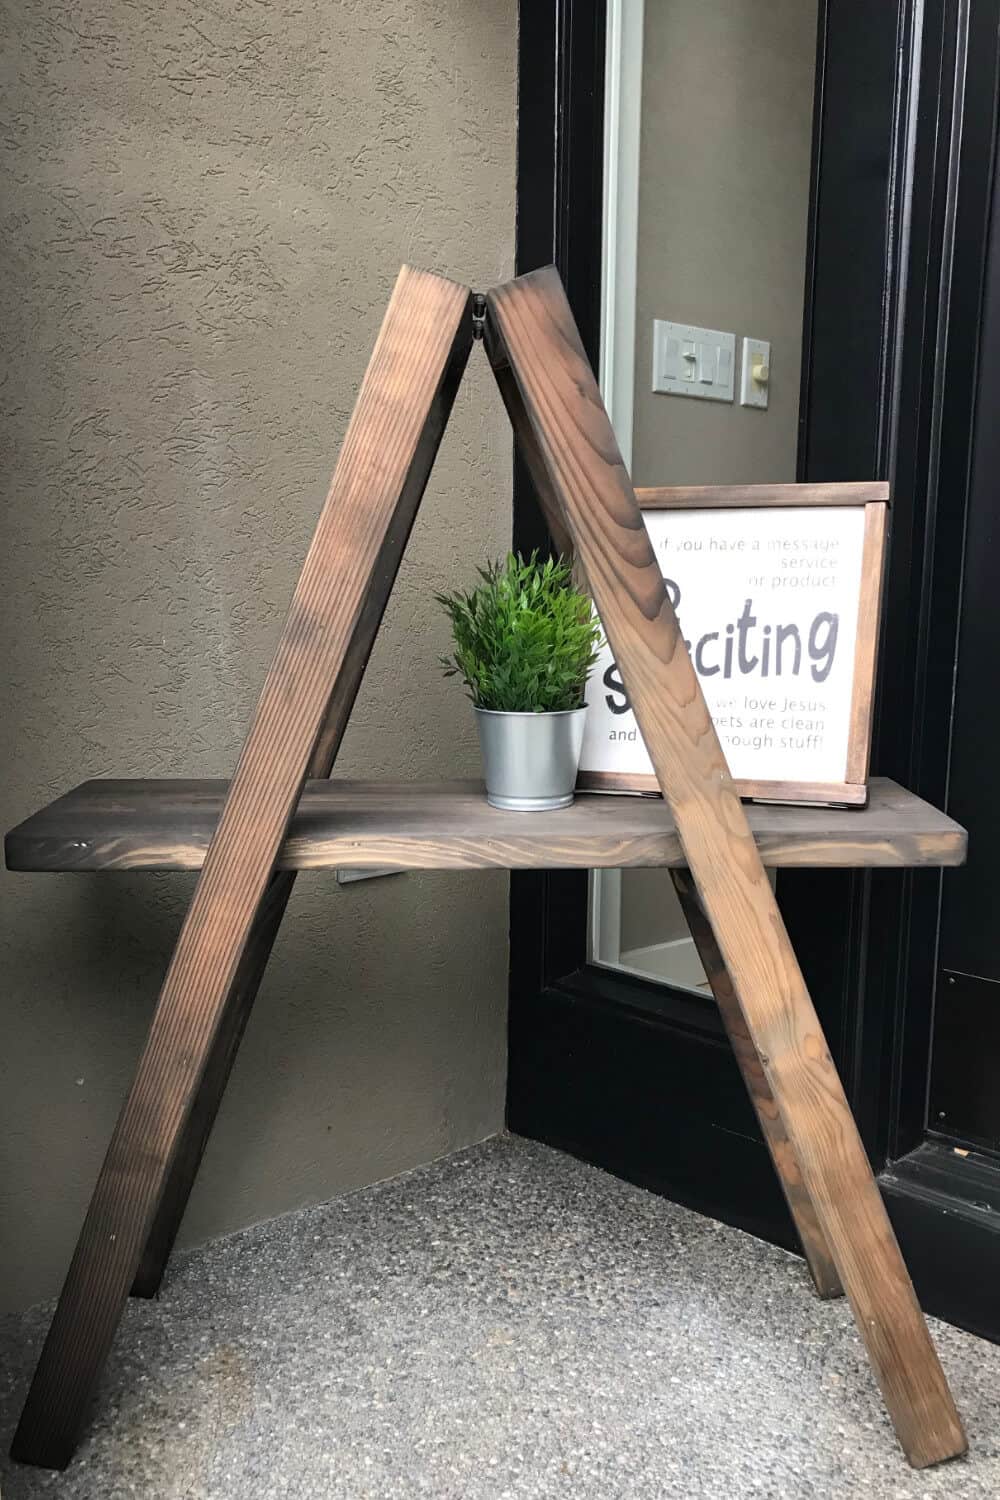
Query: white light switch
[[755, 374], [691, 361]]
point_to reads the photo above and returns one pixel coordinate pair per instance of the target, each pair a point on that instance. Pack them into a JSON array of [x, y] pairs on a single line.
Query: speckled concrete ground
[[504, 1323]]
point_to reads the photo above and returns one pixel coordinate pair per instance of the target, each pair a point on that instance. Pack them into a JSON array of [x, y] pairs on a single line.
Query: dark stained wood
[[205, 1105], [243, 992], [813, 1241], [535, 344], [749, 496], [168, 825], [240, 832], [383, 466], [533, 458]]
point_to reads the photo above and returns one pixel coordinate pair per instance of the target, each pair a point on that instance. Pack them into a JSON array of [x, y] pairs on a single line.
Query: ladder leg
[[232, 1025], [788, 1038], [194, 1136], [814, 1246], [555, 405], [240, 1000], [384, 463], [131, 1183]]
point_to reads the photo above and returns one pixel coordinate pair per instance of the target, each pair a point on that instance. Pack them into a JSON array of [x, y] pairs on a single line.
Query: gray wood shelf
[[168, 825]]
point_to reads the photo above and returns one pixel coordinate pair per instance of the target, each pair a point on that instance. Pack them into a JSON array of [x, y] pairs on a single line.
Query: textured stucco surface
[[204, 209]]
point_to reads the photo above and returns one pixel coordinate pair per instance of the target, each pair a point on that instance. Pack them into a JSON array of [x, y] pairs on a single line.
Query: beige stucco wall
[[726, 128], [204, 211]]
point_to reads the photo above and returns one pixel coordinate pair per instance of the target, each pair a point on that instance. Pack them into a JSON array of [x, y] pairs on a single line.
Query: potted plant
[[525, 640]]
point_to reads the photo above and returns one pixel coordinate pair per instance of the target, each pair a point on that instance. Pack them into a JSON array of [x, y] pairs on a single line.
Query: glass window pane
[[708, 151]]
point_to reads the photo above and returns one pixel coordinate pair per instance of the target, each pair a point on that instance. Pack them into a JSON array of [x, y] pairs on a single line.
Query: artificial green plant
[[525, 637]]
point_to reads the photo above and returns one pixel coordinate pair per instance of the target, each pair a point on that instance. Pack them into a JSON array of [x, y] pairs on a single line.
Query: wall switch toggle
[[755, 372], [690, 361]]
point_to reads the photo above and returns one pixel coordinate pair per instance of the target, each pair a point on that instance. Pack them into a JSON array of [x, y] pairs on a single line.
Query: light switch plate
[[690, 361], [756, 355]]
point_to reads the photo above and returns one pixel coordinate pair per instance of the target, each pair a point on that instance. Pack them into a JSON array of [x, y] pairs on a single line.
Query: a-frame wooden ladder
[[221, 952]]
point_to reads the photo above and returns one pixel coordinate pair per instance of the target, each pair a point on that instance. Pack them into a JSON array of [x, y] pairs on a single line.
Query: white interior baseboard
[[674, 963]]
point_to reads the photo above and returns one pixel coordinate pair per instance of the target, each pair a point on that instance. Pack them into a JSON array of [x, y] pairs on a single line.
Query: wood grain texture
[[168, 825], [386, 456], [535, 342], [750, 496], [534, 461], [197, 1128], [253, 963], [813, 1241], [808, 793], [866, 642]]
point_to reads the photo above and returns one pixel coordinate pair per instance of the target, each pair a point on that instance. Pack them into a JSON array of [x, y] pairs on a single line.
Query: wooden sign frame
[[874, 497]]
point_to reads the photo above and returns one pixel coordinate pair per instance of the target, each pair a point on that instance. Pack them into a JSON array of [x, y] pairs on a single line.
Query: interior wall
[[727, 95], [726, 134], [204, 214]]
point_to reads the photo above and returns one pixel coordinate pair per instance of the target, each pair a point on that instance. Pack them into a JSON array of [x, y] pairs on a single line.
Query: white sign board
[[769, 602]]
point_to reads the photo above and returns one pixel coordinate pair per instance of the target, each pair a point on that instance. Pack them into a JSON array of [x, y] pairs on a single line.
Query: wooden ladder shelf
[[280, 814], [449, 825]]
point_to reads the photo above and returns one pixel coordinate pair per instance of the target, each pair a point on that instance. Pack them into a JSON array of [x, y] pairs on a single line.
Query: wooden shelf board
[[167, 825]]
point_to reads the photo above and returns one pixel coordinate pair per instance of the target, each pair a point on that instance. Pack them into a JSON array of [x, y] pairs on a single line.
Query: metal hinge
[[478, 314]]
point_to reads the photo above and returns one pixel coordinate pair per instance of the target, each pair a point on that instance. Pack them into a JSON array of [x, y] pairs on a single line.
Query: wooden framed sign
[[778, 592]]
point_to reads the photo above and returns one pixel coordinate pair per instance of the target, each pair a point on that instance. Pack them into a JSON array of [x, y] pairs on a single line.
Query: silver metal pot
[[530, 761]]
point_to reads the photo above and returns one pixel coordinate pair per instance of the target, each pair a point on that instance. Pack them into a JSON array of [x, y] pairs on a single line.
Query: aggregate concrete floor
[[503, 1323]]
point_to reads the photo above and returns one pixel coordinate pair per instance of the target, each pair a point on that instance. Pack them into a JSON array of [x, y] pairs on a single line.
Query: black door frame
[[637, 1077]]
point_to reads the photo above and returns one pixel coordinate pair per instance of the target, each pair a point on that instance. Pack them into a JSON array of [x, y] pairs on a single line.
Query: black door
[[904, 969], [964, 1101]]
